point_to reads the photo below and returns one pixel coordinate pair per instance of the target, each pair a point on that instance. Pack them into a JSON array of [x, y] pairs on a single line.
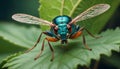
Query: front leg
[[38, 40], [49, 39]]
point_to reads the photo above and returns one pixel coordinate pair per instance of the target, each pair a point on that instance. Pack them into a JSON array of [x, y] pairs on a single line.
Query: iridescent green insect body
[[63, 27], [61, 30]]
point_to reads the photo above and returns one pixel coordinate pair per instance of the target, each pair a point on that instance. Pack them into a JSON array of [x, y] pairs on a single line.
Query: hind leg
[[92, 34]]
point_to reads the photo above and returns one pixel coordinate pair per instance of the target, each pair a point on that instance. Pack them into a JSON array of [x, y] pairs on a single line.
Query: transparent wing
[[25, 18], [91, 12]]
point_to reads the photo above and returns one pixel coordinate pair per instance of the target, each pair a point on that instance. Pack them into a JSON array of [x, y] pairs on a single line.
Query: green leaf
[[19, 35], [52, 8], [7, 48], [9, 57], [66, 56], [8, 41], [57, 7]]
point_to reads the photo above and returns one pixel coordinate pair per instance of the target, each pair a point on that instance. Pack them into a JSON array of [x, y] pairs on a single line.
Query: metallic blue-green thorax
[[62, 31], [61, 22]]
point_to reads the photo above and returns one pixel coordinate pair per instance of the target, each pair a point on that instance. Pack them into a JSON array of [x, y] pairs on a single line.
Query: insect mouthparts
[[64, 42]]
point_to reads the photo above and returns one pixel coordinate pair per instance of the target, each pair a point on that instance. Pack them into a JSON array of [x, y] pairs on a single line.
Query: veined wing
[[25, 18], [91, 12]]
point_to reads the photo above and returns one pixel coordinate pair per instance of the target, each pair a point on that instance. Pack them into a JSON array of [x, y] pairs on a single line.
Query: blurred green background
[[10, 7]]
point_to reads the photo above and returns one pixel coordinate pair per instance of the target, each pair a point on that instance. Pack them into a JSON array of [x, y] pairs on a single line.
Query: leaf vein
[[74, 7], [62, 7]]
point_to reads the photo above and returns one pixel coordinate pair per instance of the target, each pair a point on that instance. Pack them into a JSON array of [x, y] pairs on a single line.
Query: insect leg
[[92, 34], [51, 39], [38, 40], [40, 50], [84, 42], [48, 39], [51, 50], [77, 34]]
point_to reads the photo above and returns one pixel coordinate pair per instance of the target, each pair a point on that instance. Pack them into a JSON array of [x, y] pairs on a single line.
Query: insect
[[63, 27]]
